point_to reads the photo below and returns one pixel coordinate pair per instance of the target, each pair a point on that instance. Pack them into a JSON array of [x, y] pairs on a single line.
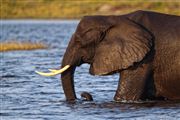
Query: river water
[[25, 95]]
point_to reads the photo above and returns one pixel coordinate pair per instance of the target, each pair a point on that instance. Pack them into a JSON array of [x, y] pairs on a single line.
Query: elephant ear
[[123, 45]]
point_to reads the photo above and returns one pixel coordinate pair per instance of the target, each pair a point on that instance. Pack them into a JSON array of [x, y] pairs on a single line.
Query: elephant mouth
[[102, 72], [93, 72], [54, 72]]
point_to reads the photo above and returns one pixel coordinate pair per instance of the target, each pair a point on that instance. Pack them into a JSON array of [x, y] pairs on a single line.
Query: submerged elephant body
[[143, 47], [162, 63], [166, 58]]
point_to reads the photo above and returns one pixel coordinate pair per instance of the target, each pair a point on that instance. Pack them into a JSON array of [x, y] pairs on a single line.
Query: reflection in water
[[26, 95]]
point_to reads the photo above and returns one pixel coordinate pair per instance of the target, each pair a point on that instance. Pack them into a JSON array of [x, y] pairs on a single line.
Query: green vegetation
[[14, 45], [70, 9]]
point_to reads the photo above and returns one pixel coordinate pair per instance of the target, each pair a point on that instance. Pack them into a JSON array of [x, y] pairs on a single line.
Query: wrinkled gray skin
[[143, 47]]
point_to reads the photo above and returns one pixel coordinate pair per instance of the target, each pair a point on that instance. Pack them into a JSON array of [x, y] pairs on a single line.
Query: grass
[[14, 45], [72, 9]]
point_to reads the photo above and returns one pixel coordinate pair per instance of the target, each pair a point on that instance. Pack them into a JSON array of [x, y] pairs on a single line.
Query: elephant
[[142, 46]]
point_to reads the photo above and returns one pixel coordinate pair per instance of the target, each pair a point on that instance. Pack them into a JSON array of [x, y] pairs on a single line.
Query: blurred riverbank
[[15, 45], [75, 9]]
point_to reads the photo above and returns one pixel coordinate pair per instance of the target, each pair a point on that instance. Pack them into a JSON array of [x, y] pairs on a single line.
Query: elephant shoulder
[[137, 15]]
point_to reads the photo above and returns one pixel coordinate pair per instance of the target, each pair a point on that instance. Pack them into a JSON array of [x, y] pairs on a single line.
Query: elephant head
[[108, 45]]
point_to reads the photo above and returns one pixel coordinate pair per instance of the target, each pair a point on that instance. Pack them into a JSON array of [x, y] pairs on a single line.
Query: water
[[27, 96]]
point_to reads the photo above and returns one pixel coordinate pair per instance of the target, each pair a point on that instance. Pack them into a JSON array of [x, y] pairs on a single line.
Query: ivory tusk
[[54, 72]]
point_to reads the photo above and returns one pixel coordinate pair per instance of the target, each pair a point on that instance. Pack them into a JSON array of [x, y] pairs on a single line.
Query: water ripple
[[25, 95]]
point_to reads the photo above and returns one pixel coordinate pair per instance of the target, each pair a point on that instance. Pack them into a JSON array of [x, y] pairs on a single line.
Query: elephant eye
[[102, 35]]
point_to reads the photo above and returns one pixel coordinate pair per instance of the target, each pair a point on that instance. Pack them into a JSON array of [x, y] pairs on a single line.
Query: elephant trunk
[[70, 58], [67, 79]]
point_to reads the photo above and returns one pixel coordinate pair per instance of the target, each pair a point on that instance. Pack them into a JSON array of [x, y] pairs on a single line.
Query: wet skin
[[143, 47]]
